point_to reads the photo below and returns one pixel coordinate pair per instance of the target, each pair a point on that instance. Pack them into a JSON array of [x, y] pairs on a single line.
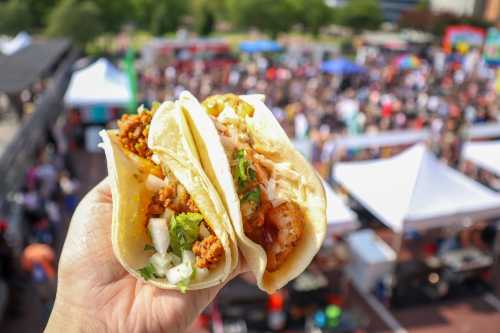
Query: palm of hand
[[93, 282]]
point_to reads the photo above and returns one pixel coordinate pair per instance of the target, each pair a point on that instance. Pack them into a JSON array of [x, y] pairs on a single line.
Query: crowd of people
[[31, 239], [444, 92]]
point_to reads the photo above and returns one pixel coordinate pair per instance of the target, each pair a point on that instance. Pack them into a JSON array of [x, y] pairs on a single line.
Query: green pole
[[132, 78]]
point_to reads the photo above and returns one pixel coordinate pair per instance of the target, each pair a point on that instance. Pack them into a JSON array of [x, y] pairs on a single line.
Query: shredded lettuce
[[184, 230]]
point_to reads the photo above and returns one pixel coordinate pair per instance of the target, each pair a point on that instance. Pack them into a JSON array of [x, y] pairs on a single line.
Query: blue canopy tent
[[341, 66], [254, 46]]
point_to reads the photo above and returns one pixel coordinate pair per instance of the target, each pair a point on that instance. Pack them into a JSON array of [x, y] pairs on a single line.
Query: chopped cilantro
[[253, 196], [243, 169], [147, 272], [149, 247], [183, 286], [184, 230]]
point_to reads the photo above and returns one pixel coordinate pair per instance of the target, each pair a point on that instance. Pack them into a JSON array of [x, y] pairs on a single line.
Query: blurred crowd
[[31, 239], [444, 92]]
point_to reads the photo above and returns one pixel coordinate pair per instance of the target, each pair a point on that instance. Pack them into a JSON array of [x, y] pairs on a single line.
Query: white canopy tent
[[100, 84], [414, 189], [484, 154], [15, 44], [340, 217]]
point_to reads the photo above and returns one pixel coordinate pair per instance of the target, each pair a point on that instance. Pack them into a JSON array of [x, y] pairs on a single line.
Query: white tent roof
[[98, 84], [340, 217], [414, 189], [484, 154], [15, 44]]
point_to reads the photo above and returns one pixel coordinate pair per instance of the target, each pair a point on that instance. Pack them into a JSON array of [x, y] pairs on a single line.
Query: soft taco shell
[[128, 173], [269, 137]]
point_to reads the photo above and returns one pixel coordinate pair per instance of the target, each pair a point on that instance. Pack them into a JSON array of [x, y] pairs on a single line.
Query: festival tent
[[484, 154], [341, 66], [415, 190], [340, 217], [100, 84], [9, 46], [15, 44], [254, 46]]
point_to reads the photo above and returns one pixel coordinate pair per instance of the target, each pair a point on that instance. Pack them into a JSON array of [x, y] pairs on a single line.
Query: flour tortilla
[[171, 140], [269, 136]]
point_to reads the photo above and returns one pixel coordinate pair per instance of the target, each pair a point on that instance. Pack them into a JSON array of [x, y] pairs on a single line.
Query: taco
[[169, 226], [274, 197]]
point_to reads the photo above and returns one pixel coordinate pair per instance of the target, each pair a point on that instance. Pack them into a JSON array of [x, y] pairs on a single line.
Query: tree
[[312, 14], [267, 15], [40, 11], [207, 22], [113, 13], [167, 15], [79, 21], [204, 15], [360, 14], [15, 16]]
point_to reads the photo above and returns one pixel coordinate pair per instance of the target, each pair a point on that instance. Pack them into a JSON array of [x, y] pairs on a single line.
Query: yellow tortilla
[[170, 139], [270, 139]]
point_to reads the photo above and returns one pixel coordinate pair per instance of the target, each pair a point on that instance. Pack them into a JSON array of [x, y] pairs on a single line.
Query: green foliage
[[77, 20], [360, 14], [423, 5], [15, 16], [167, 15], [312, 14], [113, 13], [205, 13], [40, 10], [267, 15]]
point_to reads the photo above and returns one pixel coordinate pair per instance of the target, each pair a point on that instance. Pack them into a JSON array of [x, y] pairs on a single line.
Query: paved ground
[[8, 128]]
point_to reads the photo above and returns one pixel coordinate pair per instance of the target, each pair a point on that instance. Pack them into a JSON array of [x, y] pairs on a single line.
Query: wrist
[[66, 317]]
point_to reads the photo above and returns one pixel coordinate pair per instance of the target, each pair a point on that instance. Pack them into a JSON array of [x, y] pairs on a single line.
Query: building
[[392, 9], [459, 7]]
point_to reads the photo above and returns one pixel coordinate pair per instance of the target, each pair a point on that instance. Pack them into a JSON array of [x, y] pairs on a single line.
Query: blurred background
[[396, 103]]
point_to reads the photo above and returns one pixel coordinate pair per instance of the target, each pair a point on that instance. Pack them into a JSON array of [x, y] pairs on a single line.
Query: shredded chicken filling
[[133, 133], [275, 224]]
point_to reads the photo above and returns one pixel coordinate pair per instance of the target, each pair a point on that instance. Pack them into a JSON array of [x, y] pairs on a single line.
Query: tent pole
[[496, 262], [397, 245]]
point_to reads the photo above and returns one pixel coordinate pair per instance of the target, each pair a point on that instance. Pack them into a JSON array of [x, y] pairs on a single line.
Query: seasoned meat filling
[[276, 226], [133, 135], [134, 130], [208, 252]]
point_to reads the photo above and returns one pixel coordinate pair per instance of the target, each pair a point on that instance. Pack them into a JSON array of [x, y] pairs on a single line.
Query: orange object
[[41, 254]]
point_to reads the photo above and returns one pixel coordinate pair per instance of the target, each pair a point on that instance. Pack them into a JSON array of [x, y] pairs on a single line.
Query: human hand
[[95, 293]]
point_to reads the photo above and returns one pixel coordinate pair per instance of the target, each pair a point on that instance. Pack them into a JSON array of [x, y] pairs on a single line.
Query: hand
[[95, 293]]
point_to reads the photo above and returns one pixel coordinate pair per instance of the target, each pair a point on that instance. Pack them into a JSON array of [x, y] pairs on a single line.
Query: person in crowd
[[443, 93]]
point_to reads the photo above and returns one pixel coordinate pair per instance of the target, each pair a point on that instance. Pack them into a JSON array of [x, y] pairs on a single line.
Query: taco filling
[[271, 217], [183, 246]]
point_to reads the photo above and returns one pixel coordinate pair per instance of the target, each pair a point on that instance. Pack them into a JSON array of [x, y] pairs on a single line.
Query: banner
[[492, 47], [462, 38]]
